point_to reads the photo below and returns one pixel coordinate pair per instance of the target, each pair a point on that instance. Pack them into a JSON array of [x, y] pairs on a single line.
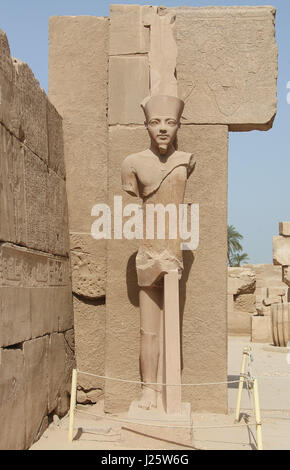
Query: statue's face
[[162, 131]]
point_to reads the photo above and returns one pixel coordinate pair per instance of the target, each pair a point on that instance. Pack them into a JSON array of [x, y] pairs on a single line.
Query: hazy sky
[[259, 164]]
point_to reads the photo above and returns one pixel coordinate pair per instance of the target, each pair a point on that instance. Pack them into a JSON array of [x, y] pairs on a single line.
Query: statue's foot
[[148, 399]]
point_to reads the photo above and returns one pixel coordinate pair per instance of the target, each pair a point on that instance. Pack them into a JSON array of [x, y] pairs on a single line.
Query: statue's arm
[[129, 177]]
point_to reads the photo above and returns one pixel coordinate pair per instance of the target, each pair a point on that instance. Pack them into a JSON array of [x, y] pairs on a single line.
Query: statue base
[[159, 429]]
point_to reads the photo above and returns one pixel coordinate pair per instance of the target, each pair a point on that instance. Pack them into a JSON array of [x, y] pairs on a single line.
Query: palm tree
[[234, 245], [239, 258]]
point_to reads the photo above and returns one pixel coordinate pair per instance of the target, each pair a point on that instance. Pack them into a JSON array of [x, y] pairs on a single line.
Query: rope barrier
[[156, 383]]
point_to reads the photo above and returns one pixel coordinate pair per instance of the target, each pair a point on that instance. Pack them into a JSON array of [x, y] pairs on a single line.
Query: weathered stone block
[[12, 386], [15, 323], [36, 385], [245, 303], [284, 229], [51, 310], [127, 32], [241, 281], [88, 265], [12, 199], [9, 105], [58, 271], [277, 291], [28, 268], [267, 275], [239, 314], [286, 276], [64, 304], [261, 329], [126, 91], [90, 341], [35, 175], [44, 312], [5, 58], [227, 65], [32, 110], [281, 251], [55, 141], [57, 215], [84, 118], [65, 385], [56, 369], [22, 268], [273, 299]]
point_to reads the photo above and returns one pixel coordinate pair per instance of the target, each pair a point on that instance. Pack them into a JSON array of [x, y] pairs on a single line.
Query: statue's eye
[[172, 122], [153, 122]]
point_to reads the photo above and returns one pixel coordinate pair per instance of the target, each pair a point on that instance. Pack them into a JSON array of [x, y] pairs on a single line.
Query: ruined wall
[[252, 290], [36, 321], [223, 62]]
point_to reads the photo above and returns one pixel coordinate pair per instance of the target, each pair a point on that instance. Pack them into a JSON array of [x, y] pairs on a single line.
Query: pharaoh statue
[[158, 175]]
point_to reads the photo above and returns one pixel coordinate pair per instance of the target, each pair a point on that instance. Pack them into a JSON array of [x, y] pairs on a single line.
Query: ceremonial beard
[[163, 148]]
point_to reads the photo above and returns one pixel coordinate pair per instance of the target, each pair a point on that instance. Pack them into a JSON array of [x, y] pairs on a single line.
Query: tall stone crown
[[163, 105]]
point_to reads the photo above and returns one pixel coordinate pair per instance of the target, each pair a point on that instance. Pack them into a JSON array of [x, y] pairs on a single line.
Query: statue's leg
[[150, 310]]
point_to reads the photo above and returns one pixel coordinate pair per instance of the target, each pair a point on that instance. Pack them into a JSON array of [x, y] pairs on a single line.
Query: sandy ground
[[272, 367]]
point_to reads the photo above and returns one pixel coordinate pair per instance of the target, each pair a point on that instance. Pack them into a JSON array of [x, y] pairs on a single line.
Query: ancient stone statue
[[158, 175]]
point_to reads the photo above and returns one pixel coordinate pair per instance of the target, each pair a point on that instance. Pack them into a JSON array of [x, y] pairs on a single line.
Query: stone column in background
[[78, 77]]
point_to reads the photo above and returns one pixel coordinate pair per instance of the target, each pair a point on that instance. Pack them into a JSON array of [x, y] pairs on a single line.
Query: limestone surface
[[261, 329], [128, 34], [12, 400], [56, 369], [241, 281], [90, 347], [281, 250], [12, 198], [124, 96], [245, 303], [36, 378], [284, 229], [85, 135], [227, 65], [88, 268]]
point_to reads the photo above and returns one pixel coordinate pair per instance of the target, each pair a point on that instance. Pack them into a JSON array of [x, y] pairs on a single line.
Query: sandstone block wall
[[78, 87], [36, 321]]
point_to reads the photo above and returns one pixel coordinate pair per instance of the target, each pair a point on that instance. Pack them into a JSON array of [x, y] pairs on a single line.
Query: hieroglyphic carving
[[25, 268]]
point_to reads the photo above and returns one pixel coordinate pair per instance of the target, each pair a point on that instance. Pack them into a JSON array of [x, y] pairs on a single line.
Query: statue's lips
[[163, 137]]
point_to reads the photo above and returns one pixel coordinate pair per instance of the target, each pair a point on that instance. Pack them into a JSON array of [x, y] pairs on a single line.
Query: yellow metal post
[[241, 384], [73, 399], [257, 415]]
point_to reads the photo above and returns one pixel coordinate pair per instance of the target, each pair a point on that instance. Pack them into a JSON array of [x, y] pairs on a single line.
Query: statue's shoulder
[[185, 158], [134, 158]]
